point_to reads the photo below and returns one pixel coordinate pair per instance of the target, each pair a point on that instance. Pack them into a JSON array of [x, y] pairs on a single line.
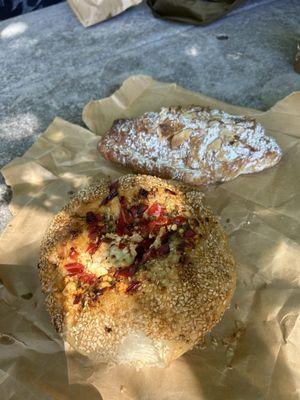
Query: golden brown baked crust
[[192, 144], [141, 259]]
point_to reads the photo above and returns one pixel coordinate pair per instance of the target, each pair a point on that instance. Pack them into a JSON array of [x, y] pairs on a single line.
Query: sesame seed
[[195, 292]]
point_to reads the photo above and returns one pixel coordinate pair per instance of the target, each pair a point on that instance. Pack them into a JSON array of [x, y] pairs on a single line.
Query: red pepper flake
[[155, 225], [73, 253], [143, 251], [125, 272], [123, 201], [77, 299], [163, 250], [92, 248], [138, 211], [133, 286], [87, 278], [122, 227], [166, 237], [125, 219], [148, 255], [143, 193], [179, 220], [113, 192], [161, 220], [144, 227], [91, 218], [125, 215], [189, 234], [74, 268], [170, 191], [114, 186], [93, 233], [155, 210], [122, 245]]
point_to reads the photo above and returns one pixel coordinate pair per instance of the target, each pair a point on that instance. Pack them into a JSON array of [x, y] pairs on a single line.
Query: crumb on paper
[[122, 389], [214, 341]]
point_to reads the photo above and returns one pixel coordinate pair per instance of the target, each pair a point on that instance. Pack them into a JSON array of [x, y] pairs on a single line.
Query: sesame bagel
[[136, 271]]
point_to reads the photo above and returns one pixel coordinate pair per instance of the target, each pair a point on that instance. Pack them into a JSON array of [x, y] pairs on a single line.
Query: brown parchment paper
[[253, 353], [90, 12]]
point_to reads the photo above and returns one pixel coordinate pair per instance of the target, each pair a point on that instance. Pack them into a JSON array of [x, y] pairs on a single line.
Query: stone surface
[[52, 66]]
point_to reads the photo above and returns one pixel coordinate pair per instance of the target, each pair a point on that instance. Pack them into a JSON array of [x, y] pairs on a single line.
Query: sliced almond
[[227, 133], [213, 122], [215, 118], [159, 133], [190, 114], [180, 137], [216, 144], [164, 130]]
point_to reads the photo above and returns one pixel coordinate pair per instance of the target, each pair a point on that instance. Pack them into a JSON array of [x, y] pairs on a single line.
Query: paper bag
[[253, 353], [90, 12]]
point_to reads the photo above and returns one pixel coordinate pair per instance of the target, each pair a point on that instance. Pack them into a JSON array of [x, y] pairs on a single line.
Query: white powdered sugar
[[194, 144]]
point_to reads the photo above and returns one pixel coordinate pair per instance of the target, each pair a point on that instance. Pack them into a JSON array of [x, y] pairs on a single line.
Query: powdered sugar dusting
[[193, 144]]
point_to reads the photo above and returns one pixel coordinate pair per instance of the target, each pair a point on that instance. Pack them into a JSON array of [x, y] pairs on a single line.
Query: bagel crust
[[136, 271]]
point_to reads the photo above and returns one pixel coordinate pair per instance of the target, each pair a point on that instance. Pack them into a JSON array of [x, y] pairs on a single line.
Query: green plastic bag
[[199, 12]]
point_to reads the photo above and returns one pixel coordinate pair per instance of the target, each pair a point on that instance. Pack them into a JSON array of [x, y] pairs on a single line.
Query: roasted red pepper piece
[[77, 299], [125, 272], [93, 233], [148, 255], [125, 218], [92, 248], [92, 218], [73, 253], [144, 227], [122, 226], [163, 249], [155, 210], [161, 220], [179, 220], [189, 234], [138, 211], [114, 186], [113, 192], [74, 268], [143, 250], [87, 278], [166, 237], [155, 225], [133, 286], [121, 229]]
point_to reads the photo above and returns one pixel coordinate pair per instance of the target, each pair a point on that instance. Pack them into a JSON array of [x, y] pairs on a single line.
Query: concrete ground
[[52, 66]]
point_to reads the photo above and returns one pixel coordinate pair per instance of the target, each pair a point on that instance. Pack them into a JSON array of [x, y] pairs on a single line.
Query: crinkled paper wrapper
[[253, 353], [90, 12]]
